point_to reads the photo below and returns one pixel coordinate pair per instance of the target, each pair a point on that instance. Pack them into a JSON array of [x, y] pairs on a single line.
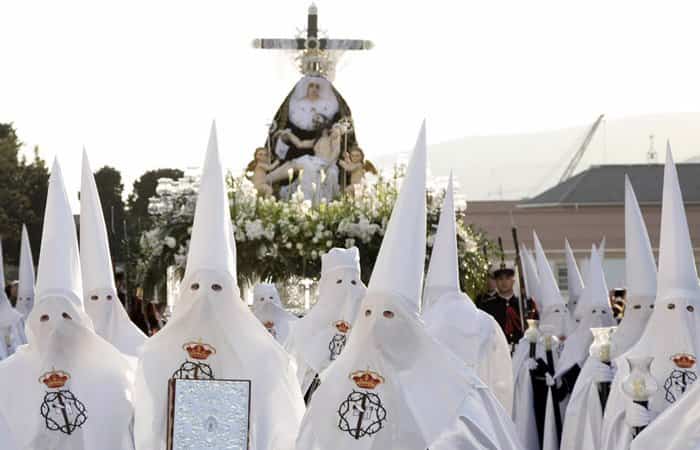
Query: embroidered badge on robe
[[270, 327], [681, 378], [339, 339], [61, 409], [362, 413], [194, 367]]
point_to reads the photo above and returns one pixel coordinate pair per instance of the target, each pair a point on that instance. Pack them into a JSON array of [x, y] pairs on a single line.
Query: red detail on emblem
[[342, 326], [269, 324], [683, 360], [199, 350], [55, 379], [366, 379]]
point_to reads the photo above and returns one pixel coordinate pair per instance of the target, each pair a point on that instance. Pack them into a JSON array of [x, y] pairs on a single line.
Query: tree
[[137, 218], [110, 188], [144, 189], [23, 189]]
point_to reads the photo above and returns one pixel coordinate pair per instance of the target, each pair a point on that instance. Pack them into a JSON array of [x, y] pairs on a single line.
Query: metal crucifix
[[314, 49]]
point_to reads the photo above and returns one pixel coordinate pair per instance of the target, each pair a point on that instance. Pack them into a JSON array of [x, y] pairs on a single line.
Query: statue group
[[311, 144]]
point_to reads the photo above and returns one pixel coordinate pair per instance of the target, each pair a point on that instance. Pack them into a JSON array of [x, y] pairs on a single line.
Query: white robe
[[583, 423], [243, 350], [100, 378], [401, 352], [476, 338], [112, 323], [276, 320], [340, 294], [524, 401], [674, 429]]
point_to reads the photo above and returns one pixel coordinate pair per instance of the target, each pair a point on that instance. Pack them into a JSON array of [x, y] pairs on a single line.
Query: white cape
[[100, 378], [674, 429], [583, 425], [243, 350], [481, 344]]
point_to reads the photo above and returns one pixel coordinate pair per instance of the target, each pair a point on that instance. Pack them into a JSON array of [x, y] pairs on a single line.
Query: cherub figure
[[260, 166], [355, 165]]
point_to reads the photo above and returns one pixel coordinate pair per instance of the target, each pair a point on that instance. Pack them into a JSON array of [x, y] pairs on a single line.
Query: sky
[[137, 83]]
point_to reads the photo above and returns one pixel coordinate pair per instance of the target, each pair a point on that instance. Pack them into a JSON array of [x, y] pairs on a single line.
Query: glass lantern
[[640, 385], [532, 333], [602, 345]]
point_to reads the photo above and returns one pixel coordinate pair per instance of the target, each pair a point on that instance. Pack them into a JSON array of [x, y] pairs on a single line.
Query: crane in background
[[571, 167]]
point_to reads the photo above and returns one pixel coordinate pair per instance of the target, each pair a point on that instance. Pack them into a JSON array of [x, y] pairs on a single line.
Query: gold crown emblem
[[683, 360], [199, 350], [366, 379], [269, 324], [55, 379], [342, 326]]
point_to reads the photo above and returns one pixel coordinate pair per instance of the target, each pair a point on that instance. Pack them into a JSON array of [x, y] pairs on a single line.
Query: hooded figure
[[451, 317], [394, 386], [268, 308], [584, 412], [210, 314], [11, 333], [25, 289], [70, 389], [670, 336], [100, 293], [640, 272], [574, 279], [532, 368], [319, 337], [593, 312]]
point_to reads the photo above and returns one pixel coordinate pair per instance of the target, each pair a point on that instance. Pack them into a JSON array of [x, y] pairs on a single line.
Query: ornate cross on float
[[316, 57]]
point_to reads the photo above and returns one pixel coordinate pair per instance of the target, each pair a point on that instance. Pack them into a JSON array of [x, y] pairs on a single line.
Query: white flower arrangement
[[281, 240]]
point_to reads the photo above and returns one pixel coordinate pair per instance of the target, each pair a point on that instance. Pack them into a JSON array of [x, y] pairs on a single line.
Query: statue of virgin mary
[[312, 105]]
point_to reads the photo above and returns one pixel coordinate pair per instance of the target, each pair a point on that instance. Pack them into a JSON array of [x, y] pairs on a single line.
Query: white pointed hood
[[391, 346], [575, 281], [549, 291], [532, 279], [100, 293], [601, 247], [671, 335], [451, 317], [443, 271], [95, 257], [640, 273], [678, 277], [61, 339], [594, 312], [320, 336], [405, 238], [59, 261], [25, 289], [552, 307], [210, 312], [9, 317], [212, 219], [267, 307]]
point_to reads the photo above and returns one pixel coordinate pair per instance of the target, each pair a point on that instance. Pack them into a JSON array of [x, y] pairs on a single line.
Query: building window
[[562, 277]]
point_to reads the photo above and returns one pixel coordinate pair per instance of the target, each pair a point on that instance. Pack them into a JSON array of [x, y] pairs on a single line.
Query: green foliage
[[145, 188], [23, 188]]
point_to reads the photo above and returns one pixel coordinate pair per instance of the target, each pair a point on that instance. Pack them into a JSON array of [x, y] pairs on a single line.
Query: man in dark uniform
[[503, 305]]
